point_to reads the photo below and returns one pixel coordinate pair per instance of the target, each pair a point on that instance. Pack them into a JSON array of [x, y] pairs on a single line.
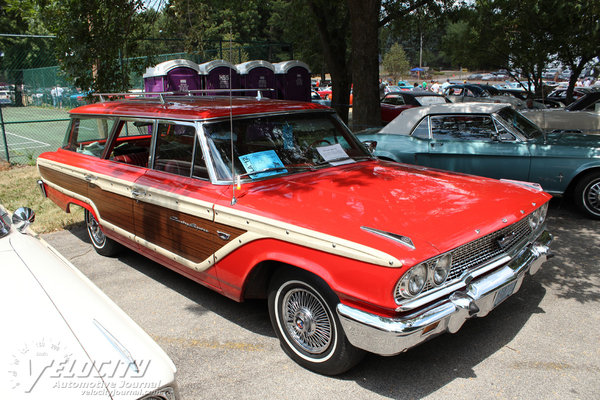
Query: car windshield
[[278, 145], [520, 123]]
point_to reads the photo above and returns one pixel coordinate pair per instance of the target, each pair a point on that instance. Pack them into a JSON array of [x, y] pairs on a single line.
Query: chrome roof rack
[[162, 96]]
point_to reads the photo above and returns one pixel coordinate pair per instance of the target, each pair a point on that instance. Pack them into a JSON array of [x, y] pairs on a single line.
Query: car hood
[[66, 338], [436, 210]]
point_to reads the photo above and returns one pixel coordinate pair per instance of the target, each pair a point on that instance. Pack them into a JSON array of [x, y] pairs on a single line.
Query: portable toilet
[[293, 80], [219, 74], [172, 76], [257, 74]]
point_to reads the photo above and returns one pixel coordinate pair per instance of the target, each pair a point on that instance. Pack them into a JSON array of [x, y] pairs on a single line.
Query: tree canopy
[[345, 38]]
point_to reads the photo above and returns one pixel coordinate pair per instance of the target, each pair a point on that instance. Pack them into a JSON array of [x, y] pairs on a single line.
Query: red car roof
[[195, 108]]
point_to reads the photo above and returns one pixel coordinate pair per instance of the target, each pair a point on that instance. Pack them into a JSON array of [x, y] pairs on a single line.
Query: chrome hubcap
[[593, 196], [94, 229], [307, 321]]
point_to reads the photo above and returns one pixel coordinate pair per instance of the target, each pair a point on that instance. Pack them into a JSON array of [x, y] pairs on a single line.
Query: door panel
[[470, 144]]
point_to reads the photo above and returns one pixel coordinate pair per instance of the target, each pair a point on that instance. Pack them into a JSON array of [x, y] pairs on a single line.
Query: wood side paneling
[[64, 180], [113, 208], [186, 235]]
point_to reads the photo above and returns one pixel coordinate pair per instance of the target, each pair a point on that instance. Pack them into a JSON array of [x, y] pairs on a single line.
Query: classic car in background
[[560, 95], [394, 103], [5, 96], [582, 115], [64, 338], [495, 140], [463, 93], [316, 98], [279, 200]]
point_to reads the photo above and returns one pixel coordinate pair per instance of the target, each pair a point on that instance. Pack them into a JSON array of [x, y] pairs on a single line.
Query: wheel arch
[[256, 284], [579, 176]]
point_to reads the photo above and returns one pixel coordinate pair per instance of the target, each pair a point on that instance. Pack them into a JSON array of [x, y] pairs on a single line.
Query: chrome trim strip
[[118, 346], [405, 240]]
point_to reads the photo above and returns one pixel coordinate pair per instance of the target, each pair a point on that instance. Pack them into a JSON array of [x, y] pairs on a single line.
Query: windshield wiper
[[334, 160]]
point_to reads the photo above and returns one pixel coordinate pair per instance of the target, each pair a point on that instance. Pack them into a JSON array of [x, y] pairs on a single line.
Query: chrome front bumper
[[390, 336]]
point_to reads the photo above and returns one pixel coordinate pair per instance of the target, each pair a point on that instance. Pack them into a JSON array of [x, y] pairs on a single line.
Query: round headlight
[[543, 210], [441, 268], [416, 279], [537, 218]]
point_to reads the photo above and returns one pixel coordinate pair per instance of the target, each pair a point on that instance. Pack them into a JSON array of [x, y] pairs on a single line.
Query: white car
[[63, 337]]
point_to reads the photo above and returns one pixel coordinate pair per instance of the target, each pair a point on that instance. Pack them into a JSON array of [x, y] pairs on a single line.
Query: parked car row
[[260, 198]]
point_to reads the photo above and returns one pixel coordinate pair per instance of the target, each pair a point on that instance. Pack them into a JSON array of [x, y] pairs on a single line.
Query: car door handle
[[138, 192], [90, 177], [433, 144]]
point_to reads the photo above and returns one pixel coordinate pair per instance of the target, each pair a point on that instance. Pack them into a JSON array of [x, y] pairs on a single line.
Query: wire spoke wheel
[[592, 195], [102, 244], [587, 194], [93, 227], [302, 311], [307, 321]]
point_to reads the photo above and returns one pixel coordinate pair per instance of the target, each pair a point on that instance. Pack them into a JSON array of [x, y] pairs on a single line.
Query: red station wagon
[[260, 198]]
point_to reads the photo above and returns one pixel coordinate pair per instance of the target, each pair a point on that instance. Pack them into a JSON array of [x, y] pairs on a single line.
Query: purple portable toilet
[[172, 76], [219, 74], [257, 74], [293, 80]]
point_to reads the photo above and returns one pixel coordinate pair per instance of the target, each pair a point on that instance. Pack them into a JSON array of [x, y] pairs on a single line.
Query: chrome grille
[[472, 255]]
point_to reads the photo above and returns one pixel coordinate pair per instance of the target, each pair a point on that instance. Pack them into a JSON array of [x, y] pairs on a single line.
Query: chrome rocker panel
[[390, 336]]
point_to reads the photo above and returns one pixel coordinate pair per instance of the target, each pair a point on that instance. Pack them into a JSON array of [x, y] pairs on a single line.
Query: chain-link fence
[[35, 96]]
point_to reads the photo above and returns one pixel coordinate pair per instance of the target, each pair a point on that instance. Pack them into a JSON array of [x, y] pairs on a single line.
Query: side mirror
[[22, 218], [371, 145]]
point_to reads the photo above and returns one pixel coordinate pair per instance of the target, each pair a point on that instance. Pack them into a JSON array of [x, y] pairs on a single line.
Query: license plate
[[503, 293]]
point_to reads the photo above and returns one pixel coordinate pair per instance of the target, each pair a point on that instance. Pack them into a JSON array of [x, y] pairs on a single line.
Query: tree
[[320, 32], [395, 62], [366, 18], [579, 36], [93, 38], [364, 25], [203, 24]]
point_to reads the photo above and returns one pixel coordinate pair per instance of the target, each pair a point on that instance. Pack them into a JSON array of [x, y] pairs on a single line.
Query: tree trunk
[[364, 25], [335, 53], [575, 72]]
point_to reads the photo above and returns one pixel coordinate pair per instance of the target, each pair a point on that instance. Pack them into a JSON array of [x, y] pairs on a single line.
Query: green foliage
[[93, 37], [395, 62], [206, 24]]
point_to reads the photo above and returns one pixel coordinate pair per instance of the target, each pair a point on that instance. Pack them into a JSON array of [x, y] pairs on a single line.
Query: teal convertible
[[496, 141]]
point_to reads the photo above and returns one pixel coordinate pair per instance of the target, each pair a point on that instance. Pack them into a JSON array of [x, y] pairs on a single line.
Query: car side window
[[131, 144], [178, 151], [422, 130], [463, 127], [88, 135]]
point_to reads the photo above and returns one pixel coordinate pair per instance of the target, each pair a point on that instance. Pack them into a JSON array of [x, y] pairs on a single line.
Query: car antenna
[[234, 178]]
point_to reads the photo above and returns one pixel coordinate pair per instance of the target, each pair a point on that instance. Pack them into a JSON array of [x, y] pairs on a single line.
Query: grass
[[18, 188]]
